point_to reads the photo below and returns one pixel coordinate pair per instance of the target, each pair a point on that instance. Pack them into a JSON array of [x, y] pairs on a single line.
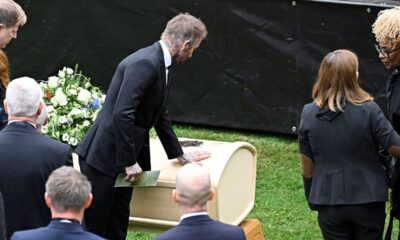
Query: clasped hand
[[132, 172], [194, 156]]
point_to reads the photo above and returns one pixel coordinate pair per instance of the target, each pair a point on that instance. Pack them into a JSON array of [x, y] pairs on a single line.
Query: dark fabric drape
[[254, 71]]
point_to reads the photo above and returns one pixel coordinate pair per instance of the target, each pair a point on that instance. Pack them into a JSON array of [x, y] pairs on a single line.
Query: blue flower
[[95, 103]]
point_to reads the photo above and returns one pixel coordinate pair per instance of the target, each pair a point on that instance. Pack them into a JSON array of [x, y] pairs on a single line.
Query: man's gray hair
[[23, 96], [11, 14], [68, 189], [184, 27]]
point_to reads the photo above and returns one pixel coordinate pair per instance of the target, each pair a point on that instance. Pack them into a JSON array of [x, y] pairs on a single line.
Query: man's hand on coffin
[[194, 156]]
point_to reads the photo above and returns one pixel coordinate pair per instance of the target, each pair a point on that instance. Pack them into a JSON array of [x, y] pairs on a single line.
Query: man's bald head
[[193, 187]]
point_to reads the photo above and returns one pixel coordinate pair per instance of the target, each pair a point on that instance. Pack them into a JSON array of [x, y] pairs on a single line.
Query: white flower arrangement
[[73, 104]]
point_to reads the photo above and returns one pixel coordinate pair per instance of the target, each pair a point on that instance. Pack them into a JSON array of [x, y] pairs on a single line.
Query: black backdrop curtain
[[254, 71]]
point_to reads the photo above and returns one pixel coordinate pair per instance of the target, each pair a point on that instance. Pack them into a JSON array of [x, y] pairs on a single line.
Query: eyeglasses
[[383, 51]]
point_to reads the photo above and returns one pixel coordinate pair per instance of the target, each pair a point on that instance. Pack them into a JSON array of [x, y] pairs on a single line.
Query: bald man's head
[[193, 187]]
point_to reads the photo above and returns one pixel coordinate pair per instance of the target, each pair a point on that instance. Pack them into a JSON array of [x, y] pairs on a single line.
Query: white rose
[[65, 137], [43, 85], [86, 123], [73, 141], [53, 82], [72, 92], [76, 113], [50, 109], [62, 120], [61, 74], [54, 101], [85, 113], [68, 70], [60, 97], [84, 96]]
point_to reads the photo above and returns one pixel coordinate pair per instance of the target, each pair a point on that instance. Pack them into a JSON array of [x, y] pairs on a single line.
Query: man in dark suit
[[26, 158], [68, 194], [193, 190], [118, 141], [12, 16]]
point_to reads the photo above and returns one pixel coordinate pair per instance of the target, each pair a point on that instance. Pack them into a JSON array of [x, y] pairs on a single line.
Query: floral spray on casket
[[73, 104]]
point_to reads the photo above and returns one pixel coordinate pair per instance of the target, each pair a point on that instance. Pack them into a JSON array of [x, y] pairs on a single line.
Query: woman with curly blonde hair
[[387, 33], [339, 137]]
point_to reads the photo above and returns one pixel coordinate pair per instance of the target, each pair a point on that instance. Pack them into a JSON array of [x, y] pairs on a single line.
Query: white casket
[[232, 168]]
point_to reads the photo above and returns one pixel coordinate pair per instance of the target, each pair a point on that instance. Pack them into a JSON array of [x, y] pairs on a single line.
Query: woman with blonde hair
[[4, 80], [339, 137], [387, 33]]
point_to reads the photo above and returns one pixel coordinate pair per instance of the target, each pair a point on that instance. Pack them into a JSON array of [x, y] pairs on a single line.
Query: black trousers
[[352, 222], [108, 216]]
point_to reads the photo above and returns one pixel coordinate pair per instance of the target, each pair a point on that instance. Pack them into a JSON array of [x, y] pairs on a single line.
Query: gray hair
[[193, 185], [23, 96], [184, 27], [11, 14], [68, 189]]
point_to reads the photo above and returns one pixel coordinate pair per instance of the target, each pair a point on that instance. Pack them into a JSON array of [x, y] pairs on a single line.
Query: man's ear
[[211, 194], [47, 199], [39, 111], [88, 201], [5, 103], [186, 45], [175, 196], [2, 26]]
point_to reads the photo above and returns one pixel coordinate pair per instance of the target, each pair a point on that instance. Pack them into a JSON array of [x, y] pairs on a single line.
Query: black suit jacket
[[202, 227], [56, 230], [344, 148], [135, 102], [26, 160]]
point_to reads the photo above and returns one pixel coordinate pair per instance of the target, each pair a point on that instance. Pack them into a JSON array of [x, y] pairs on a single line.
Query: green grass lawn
[[280, 204]]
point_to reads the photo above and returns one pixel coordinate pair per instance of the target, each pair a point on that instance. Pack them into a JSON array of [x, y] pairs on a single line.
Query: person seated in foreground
[[68, 194], [193, 190]]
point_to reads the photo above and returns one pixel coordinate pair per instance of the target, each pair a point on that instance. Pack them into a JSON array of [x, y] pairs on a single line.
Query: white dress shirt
[[167, 58]]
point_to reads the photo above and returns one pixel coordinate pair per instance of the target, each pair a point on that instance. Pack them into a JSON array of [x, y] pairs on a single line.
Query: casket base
[[252, 229]]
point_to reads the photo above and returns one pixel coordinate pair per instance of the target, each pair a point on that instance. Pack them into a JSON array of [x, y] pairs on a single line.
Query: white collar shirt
[[188, 215], [167, 58]]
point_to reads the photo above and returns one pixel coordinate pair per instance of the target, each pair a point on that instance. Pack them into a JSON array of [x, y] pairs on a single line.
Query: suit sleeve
[[168, 137], [137, 77], [68, 156], [304, 143], [383, 131]]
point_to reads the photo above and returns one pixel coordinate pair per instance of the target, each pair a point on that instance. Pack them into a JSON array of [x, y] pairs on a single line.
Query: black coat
[[393, 97], [202, 227], [135, 102], [344, 148], [57, 230], [26, 160]]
